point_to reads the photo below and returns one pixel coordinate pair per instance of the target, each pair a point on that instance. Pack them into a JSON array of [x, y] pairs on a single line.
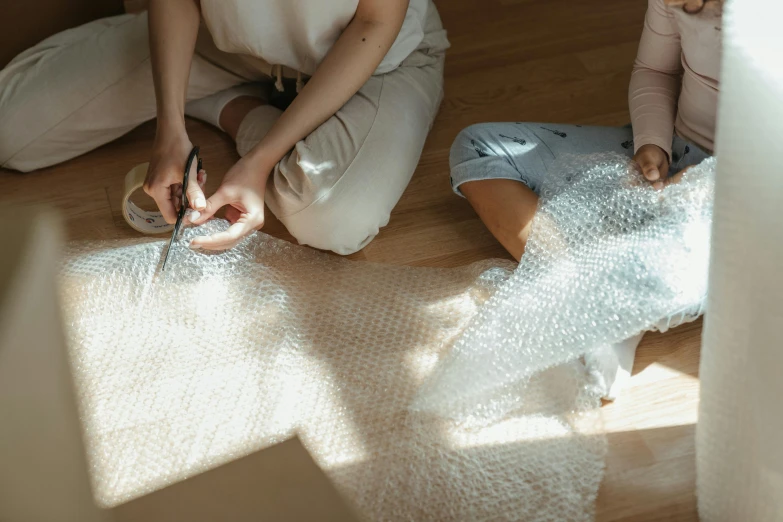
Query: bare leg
[[235, 111], [506, 207]]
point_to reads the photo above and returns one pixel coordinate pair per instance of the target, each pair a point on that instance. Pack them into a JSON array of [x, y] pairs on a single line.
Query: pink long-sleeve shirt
[[674, 85]]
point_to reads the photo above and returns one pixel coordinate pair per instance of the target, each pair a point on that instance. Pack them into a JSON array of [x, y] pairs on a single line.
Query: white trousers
[[89, 85]]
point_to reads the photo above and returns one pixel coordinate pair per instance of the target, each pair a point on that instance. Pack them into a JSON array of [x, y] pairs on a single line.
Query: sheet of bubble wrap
[[608, 257], [224, 354]]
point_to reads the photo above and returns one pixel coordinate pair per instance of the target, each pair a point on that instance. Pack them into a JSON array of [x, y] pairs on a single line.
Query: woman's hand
[[166, 172], [243, 190], [653, 163], [173, 27]]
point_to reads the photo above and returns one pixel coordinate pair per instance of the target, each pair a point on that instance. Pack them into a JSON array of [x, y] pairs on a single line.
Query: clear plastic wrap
[[607, 258], [224, 354]]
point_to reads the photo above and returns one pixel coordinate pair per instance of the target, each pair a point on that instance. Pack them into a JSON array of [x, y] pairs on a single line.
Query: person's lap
[[525, 152], [338, 186], [85, 87], [501, 168]]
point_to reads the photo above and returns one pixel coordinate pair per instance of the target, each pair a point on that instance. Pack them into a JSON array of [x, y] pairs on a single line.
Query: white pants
[[89, 85]]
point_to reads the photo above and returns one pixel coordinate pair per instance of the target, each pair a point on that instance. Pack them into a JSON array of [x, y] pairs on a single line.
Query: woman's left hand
[[243, 191]]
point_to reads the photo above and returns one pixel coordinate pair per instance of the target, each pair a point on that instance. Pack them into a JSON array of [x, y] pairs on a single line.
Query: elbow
[[669, 69], [640, 67]]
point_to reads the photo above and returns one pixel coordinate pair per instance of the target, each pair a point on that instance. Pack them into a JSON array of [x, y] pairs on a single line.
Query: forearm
[[656, 79], [346, 68], [652, 99], [173, 27]]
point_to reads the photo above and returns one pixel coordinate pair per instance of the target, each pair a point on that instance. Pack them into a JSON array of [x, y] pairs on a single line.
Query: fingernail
[[194, 216], [194, 246], [200, 203]]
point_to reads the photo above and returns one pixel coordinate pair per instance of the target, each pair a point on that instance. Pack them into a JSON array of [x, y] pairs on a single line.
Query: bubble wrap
[[225, 354], [607, 258]]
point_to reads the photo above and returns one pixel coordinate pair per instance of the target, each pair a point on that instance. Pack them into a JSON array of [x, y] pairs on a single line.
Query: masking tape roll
[[145, 221]]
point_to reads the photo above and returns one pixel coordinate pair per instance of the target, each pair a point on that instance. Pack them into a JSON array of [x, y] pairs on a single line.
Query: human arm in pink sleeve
[[656, 80]]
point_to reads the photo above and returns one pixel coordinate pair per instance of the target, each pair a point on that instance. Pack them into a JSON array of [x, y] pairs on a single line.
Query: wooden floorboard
[[521, 60]]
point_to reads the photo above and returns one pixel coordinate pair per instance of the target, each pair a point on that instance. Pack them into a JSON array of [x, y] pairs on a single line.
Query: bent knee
[[9, 134], [340, 228], [25, 106], [22, 116], [12, 159], [11, 156], [19, 157], [472, 141]]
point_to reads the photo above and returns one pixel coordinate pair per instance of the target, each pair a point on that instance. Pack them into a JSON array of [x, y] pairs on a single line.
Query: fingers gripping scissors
[[184, 203]]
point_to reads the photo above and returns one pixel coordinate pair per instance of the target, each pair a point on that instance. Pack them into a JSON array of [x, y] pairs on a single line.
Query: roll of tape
[[145, 221]]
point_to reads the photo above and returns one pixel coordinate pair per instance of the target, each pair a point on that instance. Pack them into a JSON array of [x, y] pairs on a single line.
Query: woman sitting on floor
[[331, 166]]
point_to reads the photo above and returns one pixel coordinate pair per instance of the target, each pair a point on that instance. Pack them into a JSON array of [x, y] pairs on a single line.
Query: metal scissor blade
[[173, 237], [168, 249]]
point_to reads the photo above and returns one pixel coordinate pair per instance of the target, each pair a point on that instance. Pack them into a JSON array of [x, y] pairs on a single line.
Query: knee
[[466, 138], [343, 205], [470, 142], [466, 158], [343, 228], [19, 113], [12, 154], [8, 134], [10, 157]]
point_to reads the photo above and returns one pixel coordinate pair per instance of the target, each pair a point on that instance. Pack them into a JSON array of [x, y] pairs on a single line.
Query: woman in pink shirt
[[499, 167]]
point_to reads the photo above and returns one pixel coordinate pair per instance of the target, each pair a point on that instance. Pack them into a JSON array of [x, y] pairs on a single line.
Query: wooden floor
[[535, 60]]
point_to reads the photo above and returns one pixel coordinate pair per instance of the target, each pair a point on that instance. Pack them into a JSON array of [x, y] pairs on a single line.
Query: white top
[[298, 33]]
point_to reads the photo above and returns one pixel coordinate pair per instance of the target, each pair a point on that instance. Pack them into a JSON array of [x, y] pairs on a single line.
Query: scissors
[[184, 203]]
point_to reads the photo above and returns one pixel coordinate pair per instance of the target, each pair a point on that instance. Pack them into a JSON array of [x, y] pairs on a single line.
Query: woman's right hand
[[165, 175], [653, 163], [173, 28]]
